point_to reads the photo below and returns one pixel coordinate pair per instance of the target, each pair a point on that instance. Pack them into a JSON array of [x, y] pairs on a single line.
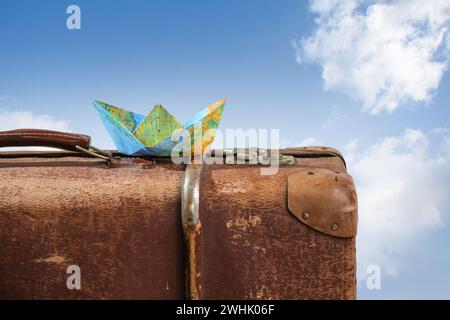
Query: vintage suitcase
[[119, 222], [289, 235]]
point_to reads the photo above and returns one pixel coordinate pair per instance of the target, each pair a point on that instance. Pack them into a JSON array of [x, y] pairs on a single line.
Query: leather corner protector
[[324, 200]]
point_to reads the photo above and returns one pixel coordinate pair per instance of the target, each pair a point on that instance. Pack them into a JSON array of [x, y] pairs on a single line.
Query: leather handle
[[44, 138]]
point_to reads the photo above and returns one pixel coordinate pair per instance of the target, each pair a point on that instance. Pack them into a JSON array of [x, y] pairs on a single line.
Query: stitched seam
[[40, 134]]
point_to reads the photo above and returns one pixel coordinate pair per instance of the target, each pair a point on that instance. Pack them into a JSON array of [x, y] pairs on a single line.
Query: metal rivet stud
[[334, 227], [305, 215]]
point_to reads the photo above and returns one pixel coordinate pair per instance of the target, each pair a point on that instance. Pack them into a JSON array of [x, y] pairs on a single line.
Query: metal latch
[[253, 156]]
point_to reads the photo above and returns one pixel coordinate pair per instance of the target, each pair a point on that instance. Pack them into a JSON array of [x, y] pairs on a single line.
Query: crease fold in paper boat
[[138, 135]]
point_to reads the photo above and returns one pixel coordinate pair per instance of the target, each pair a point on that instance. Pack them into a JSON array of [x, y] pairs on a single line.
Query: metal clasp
[[190, 196], [95, 152]]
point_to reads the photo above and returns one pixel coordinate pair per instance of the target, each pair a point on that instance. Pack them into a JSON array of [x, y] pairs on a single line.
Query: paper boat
[[138, 135]]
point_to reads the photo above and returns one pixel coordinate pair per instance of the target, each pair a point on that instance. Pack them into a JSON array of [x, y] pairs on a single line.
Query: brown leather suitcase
[[121, 220], [290, 235]]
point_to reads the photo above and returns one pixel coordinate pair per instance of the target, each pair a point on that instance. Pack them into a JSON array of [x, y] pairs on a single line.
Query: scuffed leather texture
[[120, 224], [43, 138], [252, 247], [325, 200]]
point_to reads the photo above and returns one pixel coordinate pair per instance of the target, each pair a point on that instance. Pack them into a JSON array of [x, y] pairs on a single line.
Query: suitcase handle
[[44, 138]]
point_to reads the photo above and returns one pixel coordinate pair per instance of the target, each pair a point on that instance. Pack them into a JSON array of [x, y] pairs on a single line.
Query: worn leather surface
[[255, 248], [325, 200], [120, 224], [43, 138]]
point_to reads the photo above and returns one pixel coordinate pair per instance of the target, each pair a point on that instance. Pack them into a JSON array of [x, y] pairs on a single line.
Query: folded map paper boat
[[151, 135]]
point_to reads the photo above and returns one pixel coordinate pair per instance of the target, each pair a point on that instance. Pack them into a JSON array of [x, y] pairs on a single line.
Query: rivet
[[305, 215], [334, 227]]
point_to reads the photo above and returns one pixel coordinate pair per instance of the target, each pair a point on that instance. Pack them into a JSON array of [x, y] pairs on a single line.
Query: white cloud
[[332, 119], [350, 150], [10, 120], [380, 52], [403, 189], [306, 142], [26, 119], [310, 141]]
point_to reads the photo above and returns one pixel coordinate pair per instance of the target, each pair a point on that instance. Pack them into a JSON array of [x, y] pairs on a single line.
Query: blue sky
[[188, 54]]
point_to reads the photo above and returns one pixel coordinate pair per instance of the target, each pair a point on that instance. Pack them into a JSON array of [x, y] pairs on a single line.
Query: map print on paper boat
[[139, 135]]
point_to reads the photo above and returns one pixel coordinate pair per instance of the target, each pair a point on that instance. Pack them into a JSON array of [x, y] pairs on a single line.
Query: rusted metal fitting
[[190, 202], [95, 152], [329, 207], [190, 196]]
